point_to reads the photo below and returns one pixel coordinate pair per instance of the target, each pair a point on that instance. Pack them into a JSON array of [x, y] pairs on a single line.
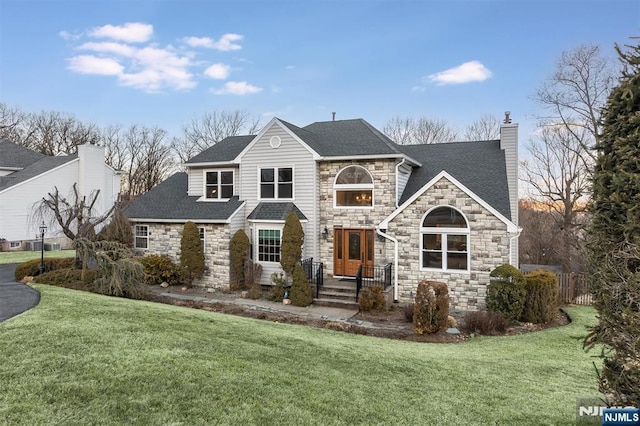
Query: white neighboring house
[[27, 176]]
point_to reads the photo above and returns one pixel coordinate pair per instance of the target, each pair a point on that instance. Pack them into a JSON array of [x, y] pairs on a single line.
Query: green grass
[[23, 256], [81, 358]]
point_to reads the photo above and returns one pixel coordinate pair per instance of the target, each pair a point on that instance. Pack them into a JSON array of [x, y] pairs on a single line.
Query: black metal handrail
[[314, 272], [368, 276]]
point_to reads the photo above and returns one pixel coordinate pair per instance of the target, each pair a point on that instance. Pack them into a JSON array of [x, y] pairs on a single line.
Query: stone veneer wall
[[489, 245], [164, 238], [384, 193]]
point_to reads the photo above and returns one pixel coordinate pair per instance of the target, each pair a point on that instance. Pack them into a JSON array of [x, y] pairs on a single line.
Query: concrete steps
[[337, 294]]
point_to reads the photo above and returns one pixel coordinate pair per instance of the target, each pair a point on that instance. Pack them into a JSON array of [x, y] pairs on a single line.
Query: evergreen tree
[[239, 248], [301, 291], [292, 240], [614, 238], [191, 255]]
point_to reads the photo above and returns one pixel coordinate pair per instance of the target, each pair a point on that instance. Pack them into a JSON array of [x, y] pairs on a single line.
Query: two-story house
[[440, 211]]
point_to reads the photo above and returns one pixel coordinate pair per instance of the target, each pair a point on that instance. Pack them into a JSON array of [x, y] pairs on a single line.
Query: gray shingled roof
[[34, 169], [225, 150], [480, 166], [275, 211], [16, 156], [169, 201]]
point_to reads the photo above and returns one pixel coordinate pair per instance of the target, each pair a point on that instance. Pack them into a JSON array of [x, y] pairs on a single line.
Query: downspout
[[511, 242], [404, 160], [395, 262]]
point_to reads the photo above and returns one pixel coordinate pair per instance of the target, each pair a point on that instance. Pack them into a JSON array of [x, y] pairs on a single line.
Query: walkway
[[15, 297]]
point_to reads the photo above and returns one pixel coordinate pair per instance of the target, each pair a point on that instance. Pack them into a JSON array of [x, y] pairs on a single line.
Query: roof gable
[[224, 151], [35, 169]]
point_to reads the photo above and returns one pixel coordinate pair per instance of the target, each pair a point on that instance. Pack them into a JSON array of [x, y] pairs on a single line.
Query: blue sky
[[164, 62]]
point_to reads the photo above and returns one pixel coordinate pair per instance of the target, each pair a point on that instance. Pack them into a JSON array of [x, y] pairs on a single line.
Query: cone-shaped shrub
[[301, 291], [239, 248], [292, 240], [191, 255], [431, 308]]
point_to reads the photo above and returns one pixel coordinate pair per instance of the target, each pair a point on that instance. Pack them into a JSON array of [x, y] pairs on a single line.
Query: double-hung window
[[142, 237], [276, 182], [218, 185], [444, 240]]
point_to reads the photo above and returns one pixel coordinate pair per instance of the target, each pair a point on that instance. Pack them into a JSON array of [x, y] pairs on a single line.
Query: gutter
[[395, 262]]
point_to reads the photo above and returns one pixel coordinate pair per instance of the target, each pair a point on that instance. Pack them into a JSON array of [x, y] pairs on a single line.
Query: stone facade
[[383, 173], [164, 238], [489, 247]]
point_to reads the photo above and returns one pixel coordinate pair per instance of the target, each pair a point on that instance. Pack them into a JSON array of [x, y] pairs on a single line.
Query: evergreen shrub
[[191, 255], [301, 291], [239, 252], [541, 302], [276, 293], [506, 292], [31, 268], [431, 307], [371, 299], [159, 268]]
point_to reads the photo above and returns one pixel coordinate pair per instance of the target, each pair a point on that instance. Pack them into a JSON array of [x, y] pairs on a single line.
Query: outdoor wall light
[[325, 234]]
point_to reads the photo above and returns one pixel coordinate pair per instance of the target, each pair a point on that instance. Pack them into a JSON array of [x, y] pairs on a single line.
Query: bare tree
[[12, 121], [75, 215], [575, 94], [484, 129], [538, 242], [423, 130], [211, 128], [558, 175]]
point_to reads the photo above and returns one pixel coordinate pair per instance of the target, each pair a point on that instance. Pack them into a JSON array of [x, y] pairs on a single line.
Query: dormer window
[[353, 187], [218, 185]]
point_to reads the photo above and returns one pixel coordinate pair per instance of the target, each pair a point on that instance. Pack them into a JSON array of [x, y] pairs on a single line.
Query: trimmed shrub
[[32, 267], [486, 323], [191, 255], [239, 252], [509, 273], [506, 293], [431, 307], [255, 291], [69, 278], [541, 303], [276, 294], [301, 291], [371, 299], [292, 240], [159, 268]]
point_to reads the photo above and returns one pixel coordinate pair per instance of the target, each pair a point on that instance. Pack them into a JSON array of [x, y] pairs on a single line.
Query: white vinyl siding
[[404, 173], [291, 154], [196, 182]]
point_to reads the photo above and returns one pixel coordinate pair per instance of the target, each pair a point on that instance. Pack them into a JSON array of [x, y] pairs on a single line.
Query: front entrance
[[352, 248]]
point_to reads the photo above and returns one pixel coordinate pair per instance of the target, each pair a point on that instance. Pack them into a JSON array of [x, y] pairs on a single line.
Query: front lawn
[[23, 256], [82, 358]]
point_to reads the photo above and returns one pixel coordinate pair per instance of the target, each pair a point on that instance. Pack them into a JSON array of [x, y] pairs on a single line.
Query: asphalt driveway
[[15, 297]]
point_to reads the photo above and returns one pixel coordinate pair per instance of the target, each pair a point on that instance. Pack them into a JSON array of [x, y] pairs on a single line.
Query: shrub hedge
[[32, 267], [541, 302], [431, 307], [69, 278]]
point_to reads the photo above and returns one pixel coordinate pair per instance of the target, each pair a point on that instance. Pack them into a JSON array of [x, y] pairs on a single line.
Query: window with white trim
[[142, 237], [15, 244], [218, 185], [353, 187], [276, 182], [444, 240], [269, 245], [201, 233]]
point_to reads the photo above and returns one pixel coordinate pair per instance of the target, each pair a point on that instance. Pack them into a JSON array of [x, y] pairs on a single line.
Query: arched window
[[353, 187], [444, 240]]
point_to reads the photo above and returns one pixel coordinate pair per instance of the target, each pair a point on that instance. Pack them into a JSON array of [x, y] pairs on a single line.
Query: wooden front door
[[352, 248]]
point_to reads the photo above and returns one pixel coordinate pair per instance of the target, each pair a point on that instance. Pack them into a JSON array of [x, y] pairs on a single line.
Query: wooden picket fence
[[573, 289]]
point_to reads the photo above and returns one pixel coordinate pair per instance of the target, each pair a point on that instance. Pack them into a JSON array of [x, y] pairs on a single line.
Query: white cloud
[[240, 88], [131, 32], [88, 64], [226, 42], [109, 47], [468, 72], [69, 36], [218, 71]]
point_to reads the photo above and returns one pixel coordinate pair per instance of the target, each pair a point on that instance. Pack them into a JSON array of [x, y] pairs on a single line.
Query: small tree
[[191, 255], [239, 248], [301, 291], [292, 240]]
